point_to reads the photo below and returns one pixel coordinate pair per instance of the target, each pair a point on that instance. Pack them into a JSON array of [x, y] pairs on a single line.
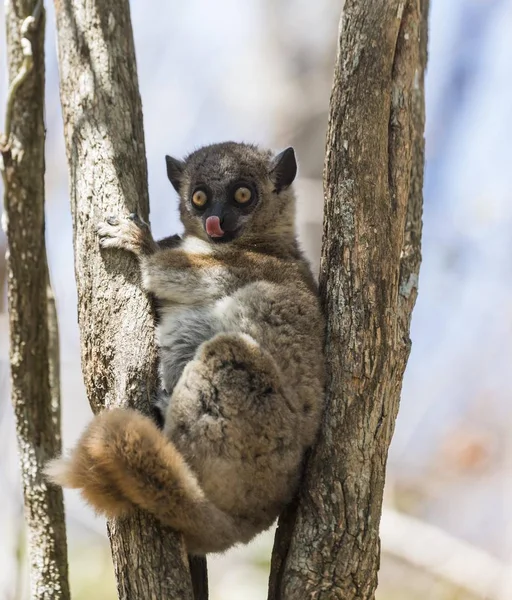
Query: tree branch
[[28, 26], [436, 552], [373, 149], [107, 168], [37, 419]]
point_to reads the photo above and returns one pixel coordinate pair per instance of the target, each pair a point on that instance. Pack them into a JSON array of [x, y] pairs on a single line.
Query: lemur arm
[[170, 270], [171, 241]]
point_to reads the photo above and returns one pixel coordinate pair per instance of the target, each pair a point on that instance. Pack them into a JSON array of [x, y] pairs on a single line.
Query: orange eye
[[243, 195], [199, 198]]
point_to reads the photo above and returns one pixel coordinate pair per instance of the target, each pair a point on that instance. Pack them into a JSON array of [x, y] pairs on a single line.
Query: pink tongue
[[213, 228]]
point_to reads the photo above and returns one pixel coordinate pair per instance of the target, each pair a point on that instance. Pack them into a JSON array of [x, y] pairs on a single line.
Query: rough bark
[[107, 168], [37, 417], [329, 548], [3, 270]]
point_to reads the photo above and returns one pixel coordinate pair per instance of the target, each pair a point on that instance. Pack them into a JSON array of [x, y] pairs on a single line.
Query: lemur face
[[229, 190], [224, 207]]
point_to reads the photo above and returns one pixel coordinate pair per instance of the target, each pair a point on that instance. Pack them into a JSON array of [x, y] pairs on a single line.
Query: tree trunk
[[37, 417], [328, 548], [54, 361], [107, 168]]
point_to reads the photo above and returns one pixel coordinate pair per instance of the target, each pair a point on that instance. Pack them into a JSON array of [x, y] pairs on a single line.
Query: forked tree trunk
[[33, 361], [328, 547], [107, 168]]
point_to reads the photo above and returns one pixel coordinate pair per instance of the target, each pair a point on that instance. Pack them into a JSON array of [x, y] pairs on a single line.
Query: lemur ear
[[175, 170], [283, 169]]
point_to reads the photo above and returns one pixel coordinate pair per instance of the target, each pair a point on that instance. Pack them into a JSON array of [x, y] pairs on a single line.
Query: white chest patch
[[194, 245], [222, 307]]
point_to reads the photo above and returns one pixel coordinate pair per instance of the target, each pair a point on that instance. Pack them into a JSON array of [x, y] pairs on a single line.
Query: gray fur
[[180, 333]]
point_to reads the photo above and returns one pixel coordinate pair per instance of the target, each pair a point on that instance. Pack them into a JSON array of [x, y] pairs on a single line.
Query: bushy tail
[[123, 460]]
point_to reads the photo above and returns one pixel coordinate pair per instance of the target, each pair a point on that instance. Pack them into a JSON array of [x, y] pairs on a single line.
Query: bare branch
[[29, 25], [440, 554]]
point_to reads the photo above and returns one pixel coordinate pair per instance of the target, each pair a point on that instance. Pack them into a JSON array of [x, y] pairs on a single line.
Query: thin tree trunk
[[37, 418], [107, 168], [199, 574], [329, 547], [54, 361]]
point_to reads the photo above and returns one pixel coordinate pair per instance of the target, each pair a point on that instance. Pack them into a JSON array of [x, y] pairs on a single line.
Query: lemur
[[240, 334]]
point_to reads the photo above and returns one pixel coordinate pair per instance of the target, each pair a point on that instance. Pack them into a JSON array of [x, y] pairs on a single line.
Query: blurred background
[[261, 71]]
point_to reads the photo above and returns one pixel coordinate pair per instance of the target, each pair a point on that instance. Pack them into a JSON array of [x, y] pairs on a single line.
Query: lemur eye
[[199, 198], [243, 195]]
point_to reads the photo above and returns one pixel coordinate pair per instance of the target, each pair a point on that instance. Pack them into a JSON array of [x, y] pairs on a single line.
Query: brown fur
[[241, 337]]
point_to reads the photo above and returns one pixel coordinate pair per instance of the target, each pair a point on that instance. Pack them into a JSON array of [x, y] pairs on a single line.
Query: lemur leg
[[237, 425], [234, 379], [123, 460]]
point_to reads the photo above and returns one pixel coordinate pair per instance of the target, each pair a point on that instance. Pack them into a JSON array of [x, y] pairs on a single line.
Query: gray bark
[[328, 547], [37, 417], [3, 270], [107, 169]]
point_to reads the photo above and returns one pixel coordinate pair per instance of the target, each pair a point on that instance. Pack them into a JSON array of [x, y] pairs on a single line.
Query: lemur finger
[[108, 228], [128, 233], [115, 233], [113, 220]]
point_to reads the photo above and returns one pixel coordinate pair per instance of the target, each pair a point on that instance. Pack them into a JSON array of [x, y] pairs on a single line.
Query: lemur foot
[[129, 233]]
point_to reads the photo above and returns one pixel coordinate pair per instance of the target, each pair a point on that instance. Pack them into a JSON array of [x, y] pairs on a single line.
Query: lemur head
[[231, 191]]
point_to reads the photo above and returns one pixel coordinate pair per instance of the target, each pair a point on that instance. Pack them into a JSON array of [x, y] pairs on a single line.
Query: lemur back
[[240, 333]]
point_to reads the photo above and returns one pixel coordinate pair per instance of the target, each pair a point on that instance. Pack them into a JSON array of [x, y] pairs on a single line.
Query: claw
[[134, 218], [103, 229], [112, 220]]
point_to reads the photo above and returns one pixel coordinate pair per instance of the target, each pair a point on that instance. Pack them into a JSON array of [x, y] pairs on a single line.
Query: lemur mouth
[[213, 228], [216, 233]]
